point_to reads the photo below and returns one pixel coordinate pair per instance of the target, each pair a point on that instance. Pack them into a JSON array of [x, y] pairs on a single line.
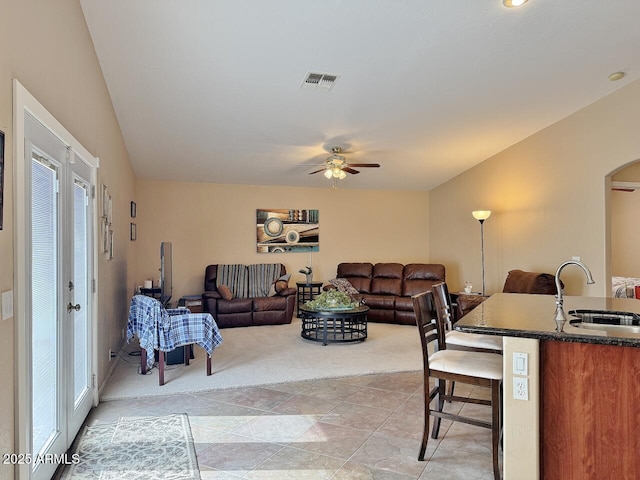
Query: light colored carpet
[[143, 448], [272, 354]]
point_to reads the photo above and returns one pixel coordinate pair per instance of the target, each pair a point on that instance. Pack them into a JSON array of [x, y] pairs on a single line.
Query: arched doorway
[[624, 229]]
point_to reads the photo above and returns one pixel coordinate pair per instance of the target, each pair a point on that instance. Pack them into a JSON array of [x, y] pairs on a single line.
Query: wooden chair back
[[443, 305], [424, 309]]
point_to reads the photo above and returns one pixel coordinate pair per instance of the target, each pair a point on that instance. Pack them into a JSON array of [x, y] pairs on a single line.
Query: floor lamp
[[481, 216]]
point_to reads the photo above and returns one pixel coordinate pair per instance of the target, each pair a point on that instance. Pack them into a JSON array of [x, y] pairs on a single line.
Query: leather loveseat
[[386, 288], [269, 308]]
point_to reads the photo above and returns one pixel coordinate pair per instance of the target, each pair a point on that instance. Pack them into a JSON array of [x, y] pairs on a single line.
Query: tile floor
[[365, 427]]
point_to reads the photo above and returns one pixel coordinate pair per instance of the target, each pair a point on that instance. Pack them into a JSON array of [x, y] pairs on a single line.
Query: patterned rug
[[145, 448]]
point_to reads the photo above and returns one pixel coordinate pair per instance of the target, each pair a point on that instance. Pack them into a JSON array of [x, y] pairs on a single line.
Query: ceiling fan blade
[[317, 171], [350, 170], [376, 165]]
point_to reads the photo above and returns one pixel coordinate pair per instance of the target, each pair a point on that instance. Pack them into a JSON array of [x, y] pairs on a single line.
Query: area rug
[[269, 354], [143, 448]]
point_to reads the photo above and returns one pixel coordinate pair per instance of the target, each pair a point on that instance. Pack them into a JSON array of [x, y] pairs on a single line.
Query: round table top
[[336, 311]]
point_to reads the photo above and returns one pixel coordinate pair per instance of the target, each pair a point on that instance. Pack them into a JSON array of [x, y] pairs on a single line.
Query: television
[[166, 271]]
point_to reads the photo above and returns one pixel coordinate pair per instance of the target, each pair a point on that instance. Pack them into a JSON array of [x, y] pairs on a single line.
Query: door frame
[[24, 101]]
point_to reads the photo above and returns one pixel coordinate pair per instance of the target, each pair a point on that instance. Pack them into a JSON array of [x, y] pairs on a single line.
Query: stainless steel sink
[[605, 320]]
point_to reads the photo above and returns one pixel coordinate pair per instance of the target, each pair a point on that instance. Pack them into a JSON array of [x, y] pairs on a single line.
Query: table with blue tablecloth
[[164, 330]]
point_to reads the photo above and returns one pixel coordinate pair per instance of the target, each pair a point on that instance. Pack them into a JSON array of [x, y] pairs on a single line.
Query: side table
[[307, 292], [465, 302], [192, 302]]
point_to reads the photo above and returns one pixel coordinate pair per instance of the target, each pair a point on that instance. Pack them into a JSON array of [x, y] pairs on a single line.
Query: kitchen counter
[[579, 413], [532, 316]]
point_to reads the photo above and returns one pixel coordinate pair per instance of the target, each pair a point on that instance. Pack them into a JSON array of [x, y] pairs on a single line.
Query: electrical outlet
[[111, 354], [520, 388]]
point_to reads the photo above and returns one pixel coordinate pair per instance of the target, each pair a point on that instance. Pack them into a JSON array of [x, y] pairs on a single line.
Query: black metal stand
[[334, 326], [307, 292]]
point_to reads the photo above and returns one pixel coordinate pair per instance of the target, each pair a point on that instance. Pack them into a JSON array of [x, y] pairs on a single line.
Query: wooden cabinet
[[590, 411]]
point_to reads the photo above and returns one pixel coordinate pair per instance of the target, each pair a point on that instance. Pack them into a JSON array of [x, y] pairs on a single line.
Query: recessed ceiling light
[[514, 3], [616, 76]]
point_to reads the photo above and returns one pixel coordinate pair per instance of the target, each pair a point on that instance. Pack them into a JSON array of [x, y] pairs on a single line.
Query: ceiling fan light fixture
[[336, 167]]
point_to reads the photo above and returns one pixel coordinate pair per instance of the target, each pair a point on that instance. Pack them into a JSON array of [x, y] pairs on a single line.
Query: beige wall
[[46, 46], [548, 197], [212, 223]]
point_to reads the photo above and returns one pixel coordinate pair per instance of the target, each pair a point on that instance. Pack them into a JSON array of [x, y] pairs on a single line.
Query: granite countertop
[[532, 316]]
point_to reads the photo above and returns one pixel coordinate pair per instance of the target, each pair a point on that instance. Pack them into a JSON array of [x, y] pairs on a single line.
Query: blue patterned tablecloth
[[163, 329]]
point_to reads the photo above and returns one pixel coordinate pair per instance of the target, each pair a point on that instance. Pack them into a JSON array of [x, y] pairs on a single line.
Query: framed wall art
[[110, 245], [1, 178], [287, 230], [104, 193]]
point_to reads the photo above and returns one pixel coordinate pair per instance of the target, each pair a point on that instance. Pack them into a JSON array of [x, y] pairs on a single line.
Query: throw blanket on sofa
[[261, 277], [234, 277]]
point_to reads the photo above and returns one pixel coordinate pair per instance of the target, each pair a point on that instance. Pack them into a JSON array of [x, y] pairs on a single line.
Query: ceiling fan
[[337, 167]]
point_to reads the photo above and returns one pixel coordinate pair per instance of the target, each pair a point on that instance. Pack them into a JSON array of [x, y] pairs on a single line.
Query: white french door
[[55, 225]]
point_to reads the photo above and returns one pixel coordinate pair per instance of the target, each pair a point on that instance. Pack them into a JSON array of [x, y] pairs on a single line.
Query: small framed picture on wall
[[1, 177], [133, 232], [133, 210]]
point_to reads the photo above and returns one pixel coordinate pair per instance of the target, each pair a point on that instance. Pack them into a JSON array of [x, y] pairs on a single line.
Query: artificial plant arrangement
[[332, 300], [306, 270]]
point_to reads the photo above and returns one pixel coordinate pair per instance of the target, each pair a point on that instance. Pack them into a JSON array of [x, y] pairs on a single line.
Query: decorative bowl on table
[[332, 300]]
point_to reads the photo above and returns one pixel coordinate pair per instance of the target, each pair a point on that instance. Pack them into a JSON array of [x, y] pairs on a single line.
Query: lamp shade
[[481, 215], [513, 3]]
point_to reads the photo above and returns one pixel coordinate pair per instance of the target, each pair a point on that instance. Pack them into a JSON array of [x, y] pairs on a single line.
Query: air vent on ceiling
[[319, 81]]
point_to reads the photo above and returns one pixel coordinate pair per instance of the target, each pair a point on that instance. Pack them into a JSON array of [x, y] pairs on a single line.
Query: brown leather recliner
[[245, 312], [519, 281]]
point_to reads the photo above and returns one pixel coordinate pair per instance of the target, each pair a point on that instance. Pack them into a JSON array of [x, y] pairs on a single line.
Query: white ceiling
[[209, 90]]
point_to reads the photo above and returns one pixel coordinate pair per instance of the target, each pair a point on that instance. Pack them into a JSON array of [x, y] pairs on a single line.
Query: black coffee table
[[334, 326]]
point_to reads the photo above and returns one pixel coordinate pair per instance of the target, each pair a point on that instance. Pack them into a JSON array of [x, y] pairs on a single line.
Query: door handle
[[75, 307]]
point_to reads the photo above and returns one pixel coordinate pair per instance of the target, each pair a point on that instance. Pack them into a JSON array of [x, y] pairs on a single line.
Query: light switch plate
[[7, 305], [520, 363]]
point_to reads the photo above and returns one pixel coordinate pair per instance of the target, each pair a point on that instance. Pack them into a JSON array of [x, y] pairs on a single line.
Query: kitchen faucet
[[561, 318]]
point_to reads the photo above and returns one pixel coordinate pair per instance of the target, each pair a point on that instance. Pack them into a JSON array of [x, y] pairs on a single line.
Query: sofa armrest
[[211, 294], [286, 292]]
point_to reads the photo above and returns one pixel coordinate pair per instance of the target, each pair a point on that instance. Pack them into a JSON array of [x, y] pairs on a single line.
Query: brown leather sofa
[[245, 312], [386, 288]]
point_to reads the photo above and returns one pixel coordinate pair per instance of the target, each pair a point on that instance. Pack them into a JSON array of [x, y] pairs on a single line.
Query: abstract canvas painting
[[282, 230]]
